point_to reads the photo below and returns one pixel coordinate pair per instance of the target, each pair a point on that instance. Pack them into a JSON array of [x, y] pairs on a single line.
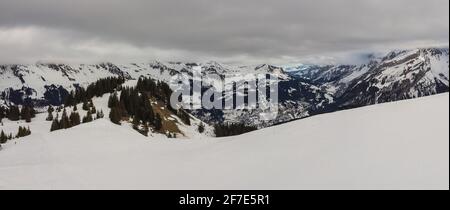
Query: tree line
[[14, 113], [233, 129], [67, 121], [80, 95], [83, 96], [96, 89], [162, 92], [22, 132], [135, 103]]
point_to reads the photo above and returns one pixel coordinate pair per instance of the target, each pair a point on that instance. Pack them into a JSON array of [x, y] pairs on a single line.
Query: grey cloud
[[226, 30]]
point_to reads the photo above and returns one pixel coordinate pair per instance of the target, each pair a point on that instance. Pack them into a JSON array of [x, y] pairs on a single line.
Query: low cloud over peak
[[251, 31]]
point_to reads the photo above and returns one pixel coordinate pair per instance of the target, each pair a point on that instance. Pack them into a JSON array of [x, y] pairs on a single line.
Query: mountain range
[[304, 90]]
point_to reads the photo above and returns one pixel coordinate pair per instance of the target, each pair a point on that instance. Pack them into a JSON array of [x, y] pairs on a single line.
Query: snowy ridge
[[377, 147], [40, 126]]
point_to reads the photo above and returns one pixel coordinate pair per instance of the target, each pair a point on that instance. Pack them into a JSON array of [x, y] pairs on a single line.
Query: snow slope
[[402, 145]]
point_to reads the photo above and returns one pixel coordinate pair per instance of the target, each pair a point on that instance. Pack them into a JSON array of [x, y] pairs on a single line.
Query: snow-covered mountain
[[385, 146], [303, 90], [425, 70], [36, 82], [400, 75], [45, 84]]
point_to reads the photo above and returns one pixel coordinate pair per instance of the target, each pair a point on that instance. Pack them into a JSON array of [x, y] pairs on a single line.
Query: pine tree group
[[26, 113], [13, 113], [232, 129], [97, 89], [55, 125], [5, 138], [74, 119], [134, 103], [23, 132], [65, 121], [88, 118], [158, 122], [201, 128], [100, 114], [115, 115]]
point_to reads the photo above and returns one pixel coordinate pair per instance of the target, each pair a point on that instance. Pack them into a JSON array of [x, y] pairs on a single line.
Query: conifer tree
[[85, 105], [50, 114], [28, 131], [22, 132], [19, 132], [232, 129], [113, 101], [93, 109], [90, 102], [115, 115], [201, 128], [123, 110], [55, 125], [14, 113], [88, 118], [70, 100], [32, 112], [158, 122], [3, 138], [145, 130], [25, 114], [145, 109], [65, 121], [100, 114], [75, 119]]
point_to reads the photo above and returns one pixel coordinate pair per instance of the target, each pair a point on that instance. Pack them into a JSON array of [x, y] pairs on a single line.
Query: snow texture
[[401, 145]]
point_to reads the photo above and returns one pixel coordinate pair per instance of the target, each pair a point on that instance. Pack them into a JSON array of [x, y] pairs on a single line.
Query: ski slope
[[402, 145]]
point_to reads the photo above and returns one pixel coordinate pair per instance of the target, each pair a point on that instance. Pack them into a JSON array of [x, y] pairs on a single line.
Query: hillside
[[401, 145]]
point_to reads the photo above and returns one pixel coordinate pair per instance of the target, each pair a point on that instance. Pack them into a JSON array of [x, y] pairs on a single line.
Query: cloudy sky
[[231, 31]]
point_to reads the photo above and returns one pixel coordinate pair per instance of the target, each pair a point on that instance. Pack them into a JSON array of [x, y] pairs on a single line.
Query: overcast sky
[[231, 31]]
